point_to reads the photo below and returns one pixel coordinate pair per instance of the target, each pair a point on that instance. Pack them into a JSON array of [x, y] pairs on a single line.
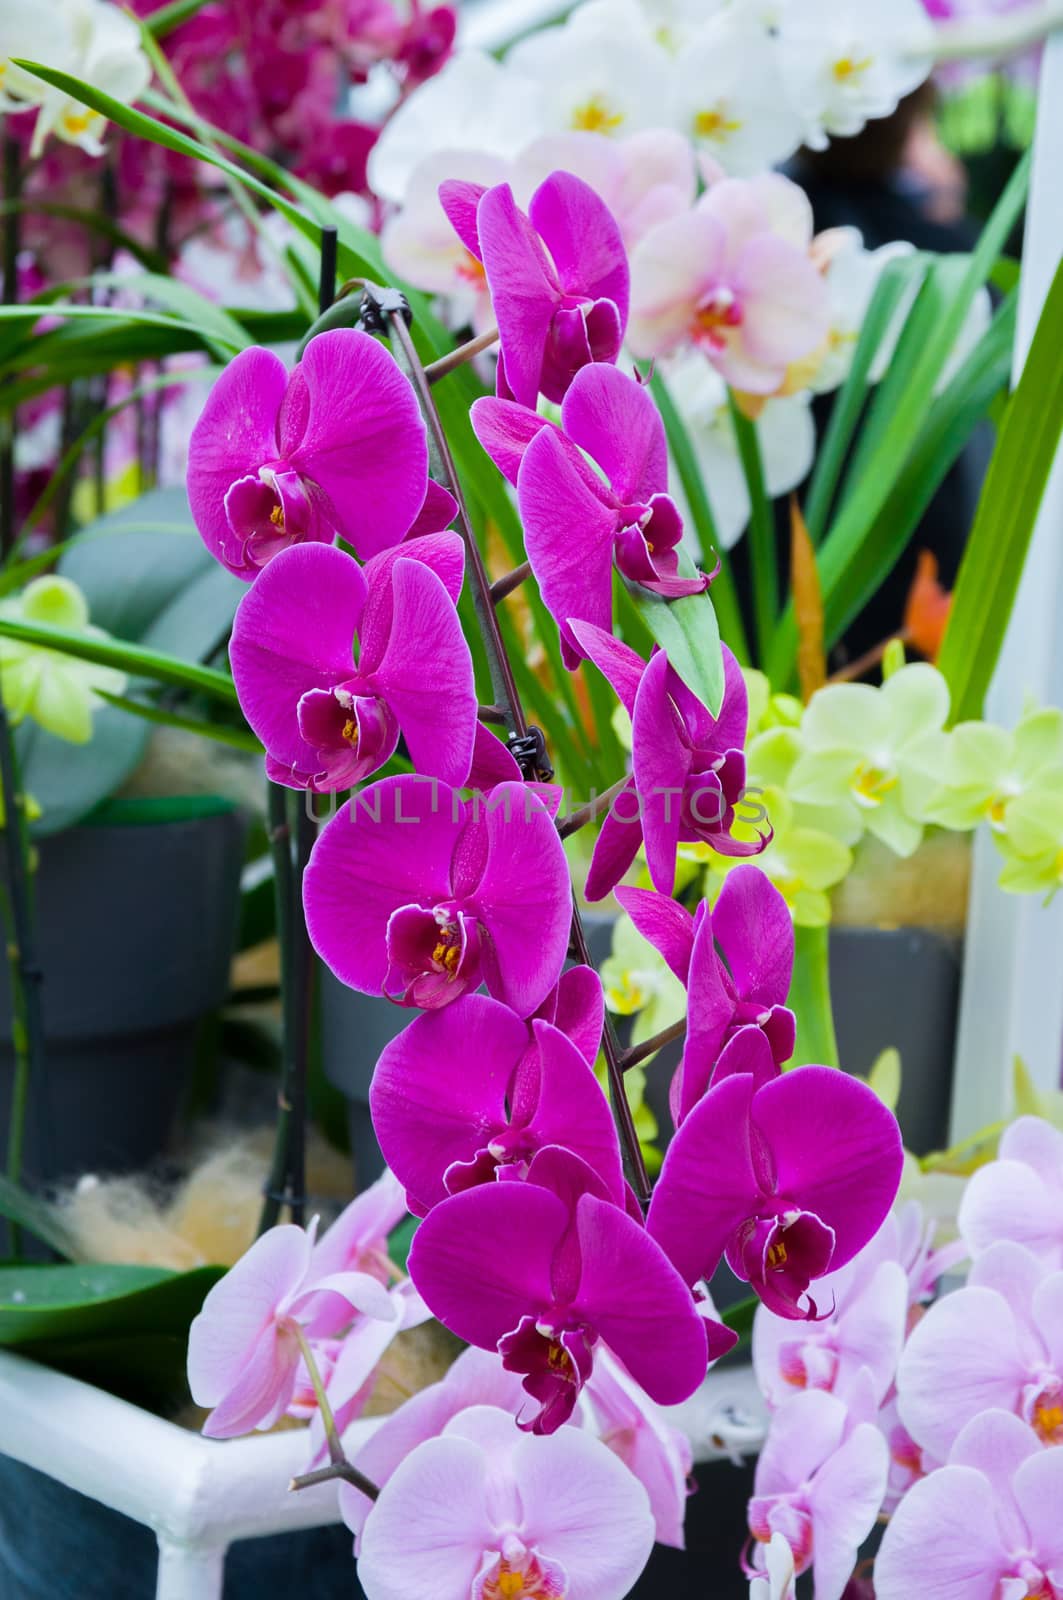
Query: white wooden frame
[[199, 1495], [1012, 995]]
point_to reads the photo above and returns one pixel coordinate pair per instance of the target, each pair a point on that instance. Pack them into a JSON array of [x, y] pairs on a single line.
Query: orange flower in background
[[926, 612]]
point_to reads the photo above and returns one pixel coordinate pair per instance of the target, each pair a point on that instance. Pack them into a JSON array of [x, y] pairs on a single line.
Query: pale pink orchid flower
[[244, 1347], [1020, 1195], [997, 1343], [644, 179], [986, 1526], [639, 1433], [485, 1512], [734, 279], [820, 1481]]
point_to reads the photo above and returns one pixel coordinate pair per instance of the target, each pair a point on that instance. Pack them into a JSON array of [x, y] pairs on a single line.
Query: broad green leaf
[[687, 631], [992, 564], [123, 1328], [810, 1001], [121, 314], [68, 781], [34, 1216], [132, 563]]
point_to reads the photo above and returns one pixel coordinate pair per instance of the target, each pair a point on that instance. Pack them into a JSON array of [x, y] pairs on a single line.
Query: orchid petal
[[235, 435]]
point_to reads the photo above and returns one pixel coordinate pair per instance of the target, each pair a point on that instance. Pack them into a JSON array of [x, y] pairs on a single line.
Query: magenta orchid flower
[[337, 447], [576, 1007], [244, 1346], [541, 1270], [984, 1527], [689, 769], [486, 1511], [997, 1344], [476, 1378], [733, 277], [578, 522], [790, 1180], [820, 1481], [657, 1453], [473, 1091], [558, 278], [1019, 1196], [736, 962], [415, 893], [328, 720]]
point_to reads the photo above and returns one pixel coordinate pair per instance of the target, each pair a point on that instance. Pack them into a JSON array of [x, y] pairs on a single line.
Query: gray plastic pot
[[136, 921], [900, 988]]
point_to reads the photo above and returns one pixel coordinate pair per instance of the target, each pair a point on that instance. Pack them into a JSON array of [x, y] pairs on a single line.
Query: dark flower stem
[[511, 581], [508, 700], [292, 829], [339, 1466], [457, 358], [594, 808], [649, 1047], [27, 1029], [12, 219]]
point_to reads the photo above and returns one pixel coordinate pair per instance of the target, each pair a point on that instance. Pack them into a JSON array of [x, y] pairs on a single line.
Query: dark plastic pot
[[56, 1544], [900, 988], [136, 920]]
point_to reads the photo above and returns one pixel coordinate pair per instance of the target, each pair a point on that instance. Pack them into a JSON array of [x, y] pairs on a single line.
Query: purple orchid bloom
[[415, 893], [689, 769], [472, 1092], [984, 1527], [790, 1179], [328, 721], [736, 962], [577, 522], [337, 447], [541, 1270], [576, 1006], [558, 278]]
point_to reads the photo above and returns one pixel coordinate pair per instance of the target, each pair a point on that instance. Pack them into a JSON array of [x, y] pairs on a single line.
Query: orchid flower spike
[[579, 522], [689, 770], [473, 1092], [541, 1270], [736, 961], [532, 1519], [415, 893], [244, 1347], [790, 1179], [328, 720], [558, 278], [336, 447]]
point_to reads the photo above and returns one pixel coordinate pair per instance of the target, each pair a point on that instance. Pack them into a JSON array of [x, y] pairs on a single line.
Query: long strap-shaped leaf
[[1007, 514], [130, 658]]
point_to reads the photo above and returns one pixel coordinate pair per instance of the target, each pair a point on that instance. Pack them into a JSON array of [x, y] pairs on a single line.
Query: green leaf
[[810, 1000], [68, 781], [219, 732], [34, 1216], [124, 1328], [129, 316], [1011, 498], [764, 560], [400, 1240], [687, 631], [132, 659], [130, 564], [216, 324], [78, 1301], [168, 17], [724, 594], [850, 399]]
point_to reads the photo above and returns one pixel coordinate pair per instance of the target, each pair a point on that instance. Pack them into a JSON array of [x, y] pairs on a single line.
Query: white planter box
[[198, 1495]]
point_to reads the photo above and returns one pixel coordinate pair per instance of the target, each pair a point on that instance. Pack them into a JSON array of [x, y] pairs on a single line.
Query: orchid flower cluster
[[730, 290], [941, 1418], [540, 1244]]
